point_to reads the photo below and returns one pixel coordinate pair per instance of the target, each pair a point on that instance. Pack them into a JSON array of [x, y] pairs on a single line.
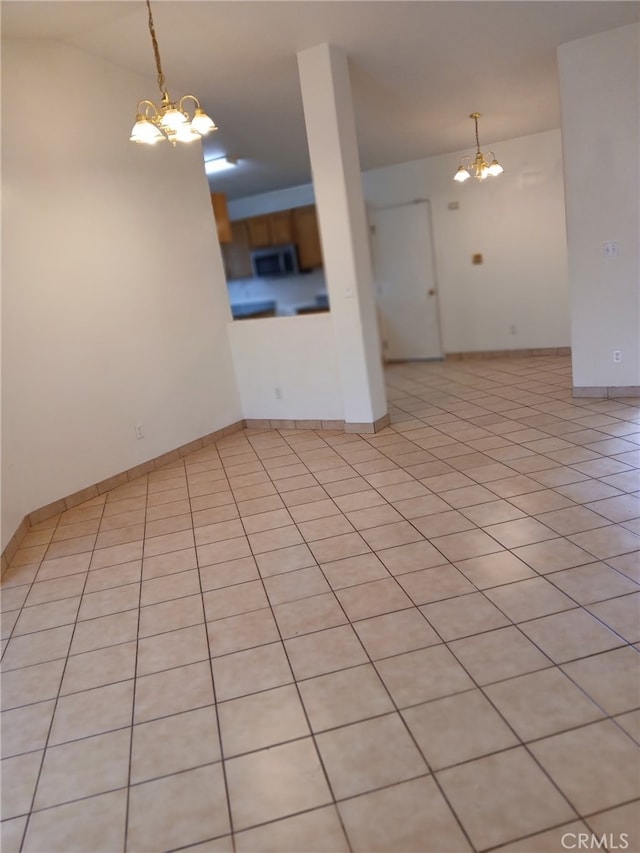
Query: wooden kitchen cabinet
[[221, 215], [307, 237], [236, 254], [270, 229]]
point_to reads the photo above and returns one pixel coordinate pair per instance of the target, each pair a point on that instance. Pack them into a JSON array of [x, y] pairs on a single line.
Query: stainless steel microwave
[[275, 261]]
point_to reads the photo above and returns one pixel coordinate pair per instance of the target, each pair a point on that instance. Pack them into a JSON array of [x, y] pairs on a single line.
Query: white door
[[405, 282]]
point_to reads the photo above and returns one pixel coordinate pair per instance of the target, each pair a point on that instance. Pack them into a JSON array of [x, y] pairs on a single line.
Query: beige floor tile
[[19, 778], [391, 535], [168, 587], [628, 564], [612, 679], [222, 552], [418, 676], [176, 810], [621, 615], [318, 830], [97, 668], [463, 616], [422, 506], [170, 615], [92, 712], [109, 601], [94, 823], [549, 841], [618, 509], [499, 654], [573, 634], [411, 816], [309, 614], [494, 569], [542, 703], [244, 631], [522, 531], [232, 600], [593, 582], [43, 616], [502, 797], [285, 560], [249, 671], [325, 527], [324, 651], [344, 697], [218, 532], [434, 584], [229, 573], [394, 633], [25, 729], [169, 564], [104, 631], [529, 599], [313, 511], [59, 567], [458, 728], [338, 547], [358, 500], [354, 570], [553, 555], [45, 591], [271, 540], [126, 573], [374, 516], [296, 783], [442, 523], [173, 744], [100, 764], [373, 598], [172, 691], [269, 520], [630, 722], [173, 649], [411, 557], [607, 541], [596, 766], [545, 501], [39, 647], [470, 543], [620, 825], [116, 554], [367, 755], [291, 586], [262, 720], [31, 684], [11, 833], [572, 520]]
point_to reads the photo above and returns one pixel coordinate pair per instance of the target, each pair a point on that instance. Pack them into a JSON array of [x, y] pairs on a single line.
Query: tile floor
[[422, 640]]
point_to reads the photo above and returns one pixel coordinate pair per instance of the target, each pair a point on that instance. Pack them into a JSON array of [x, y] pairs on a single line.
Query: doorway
[[405, 281]]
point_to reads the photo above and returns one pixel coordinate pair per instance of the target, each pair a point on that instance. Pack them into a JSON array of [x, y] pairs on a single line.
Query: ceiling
[[418, 68]]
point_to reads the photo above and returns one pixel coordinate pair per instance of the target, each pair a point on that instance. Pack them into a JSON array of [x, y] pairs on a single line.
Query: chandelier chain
[[475, 118], [156, 50]]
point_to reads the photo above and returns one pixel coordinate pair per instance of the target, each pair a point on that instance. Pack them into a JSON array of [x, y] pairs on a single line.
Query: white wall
[[114, 297], [287, 368], [600, 97], [516, 221]]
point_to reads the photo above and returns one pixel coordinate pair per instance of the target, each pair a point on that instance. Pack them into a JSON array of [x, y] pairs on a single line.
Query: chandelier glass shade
[[479, 166], [171, 120]]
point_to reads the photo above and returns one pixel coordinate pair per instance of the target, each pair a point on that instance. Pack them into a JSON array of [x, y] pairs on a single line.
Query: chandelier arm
[[144, 106], [156, 50]]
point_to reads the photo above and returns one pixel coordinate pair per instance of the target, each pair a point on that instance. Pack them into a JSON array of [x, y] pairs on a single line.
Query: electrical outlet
[[617, 356], [610, 249], [278, 391], [139, 431], [513, 329]]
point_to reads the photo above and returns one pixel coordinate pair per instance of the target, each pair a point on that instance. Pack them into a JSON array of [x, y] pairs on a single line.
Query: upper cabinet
[[307, 237], [270, 229], [298, 226], [221, 215], [236, 254]]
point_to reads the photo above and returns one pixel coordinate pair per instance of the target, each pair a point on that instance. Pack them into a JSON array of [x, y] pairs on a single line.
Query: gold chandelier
[[478, 167], [170, 120]]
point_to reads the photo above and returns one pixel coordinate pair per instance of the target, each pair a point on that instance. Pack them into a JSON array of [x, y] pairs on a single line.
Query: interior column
[[335, 165]]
